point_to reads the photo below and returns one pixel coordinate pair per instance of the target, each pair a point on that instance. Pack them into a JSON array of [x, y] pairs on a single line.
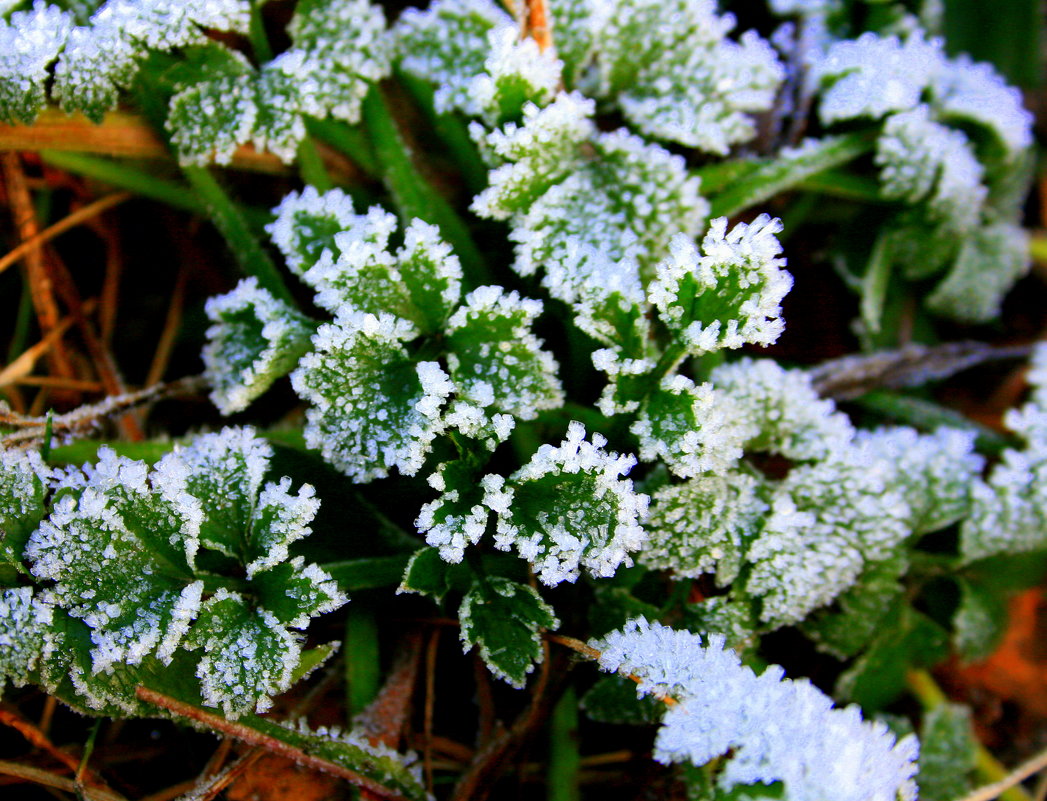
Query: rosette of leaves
[[686, 82], [952, 140], [135, 566], [406, 356]]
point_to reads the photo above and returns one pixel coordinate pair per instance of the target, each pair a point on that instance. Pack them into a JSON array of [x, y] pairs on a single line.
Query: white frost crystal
[[306, 223], [728, 294], [568, 509], [23, 626], [29, 42], [769, 728]]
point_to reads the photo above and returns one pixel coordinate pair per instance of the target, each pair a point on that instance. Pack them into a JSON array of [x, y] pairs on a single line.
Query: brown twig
[[10, 717], [1012, 779], [23, 365], [256, 738], [66, 223], [48, 779], [162, 355], [537, 24], [430, 704]]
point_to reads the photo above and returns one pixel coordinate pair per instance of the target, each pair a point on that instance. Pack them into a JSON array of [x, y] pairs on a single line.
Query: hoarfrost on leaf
[[873, 75], [920, 159], [254, 339], [24, 621], [505, 619], [771, 729], [458, 518], [727, 294], [373, 407], [568, 509], [704, 526], [29, 42], [23, 489], [306, 224]]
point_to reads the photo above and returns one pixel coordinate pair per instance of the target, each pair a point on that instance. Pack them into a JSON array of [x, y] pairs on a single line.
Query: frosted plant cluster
[[119, 598], [769, 728], [374, 404]]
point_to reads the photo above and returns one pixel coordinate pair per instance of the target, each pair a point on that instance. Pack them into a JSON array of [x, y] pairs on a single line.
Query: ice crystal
[[373, 407], [769, 728], [458, 518], [704, 526], [568, 509], [24, 621], [728, 294], [920, 159], [306, 224], [516, 72], [254, 339]]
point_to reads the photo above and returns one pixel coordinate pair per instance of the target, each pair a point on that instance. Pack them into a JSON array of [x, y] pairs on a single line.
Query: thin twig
[[172, 322], [70, 221], [48, 779], [1012, 779], [35, 737], [27, 359]]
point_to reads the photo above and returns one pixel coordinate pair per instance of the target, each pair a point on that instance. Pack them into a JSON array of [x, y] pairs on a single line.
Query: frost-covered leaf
[[874, 75], [247, 655], [373, 407], [447, 45], [969, 92], [254, 339], [938, 471], [684, 80], [24, 622], [690, 428], [29, 42], [306, 224], [568, 509], [421, 282], [613, 699], [120, 546], [495, 360], [920, 159], [948, 753], [102, 58], [23, 490], [704, 526], [728, 294], [516, 72], [980, 620], [293, 592], [857, 615], [534, 155], [780, 409], [340, 48], [458, 517], [243, 519], [990, 261], [827, 521], [769, 728], [731, 618], [427, 573], [504, 620]]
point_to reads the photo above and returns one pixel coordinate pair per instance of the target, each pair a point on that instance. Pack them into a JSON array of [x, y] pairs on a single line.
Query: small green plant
[[579, 412]]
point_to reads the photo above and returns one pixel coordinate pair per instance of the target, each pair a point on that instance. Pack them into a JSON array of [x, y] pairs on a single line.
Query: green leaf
[[790, 169], [980, 620], [727, 294], [427, 573], [613, 699], [29, 42], [248, 655], [294, 592], [948, 753], [733, 618], [24, 622], [504, 620], [373, 407], [614, 607], [306, 225], [906, 639]]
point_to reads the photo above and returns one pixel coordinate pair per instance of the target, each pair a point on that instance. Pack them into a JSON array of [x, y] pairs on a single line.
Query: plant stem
[[926, 690], [564, 759], [233, 227], [311, 166], [362, 668], [366, 574]]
